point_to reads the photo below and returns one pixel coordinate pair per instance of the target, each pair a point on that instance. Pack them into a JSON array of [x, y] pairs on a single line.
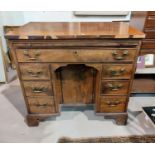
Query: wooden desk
[[61, 64]]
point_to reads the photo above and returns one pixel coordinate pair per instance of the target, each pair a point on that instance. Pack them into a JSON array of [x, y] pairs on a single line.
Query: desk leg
[[120, 119], [32, 121]]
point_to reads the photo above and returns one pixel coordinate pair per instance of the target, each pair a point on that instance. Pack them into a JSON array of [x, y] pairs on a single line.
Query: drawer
[[60, 43], [113, 104], [41, 105], [34, 71], [111, 87], [144, 84], [151, 12], [70, 55], [149, 33], [121, 71], [148, 44], [147, 51], [38, 88], [150, 22]]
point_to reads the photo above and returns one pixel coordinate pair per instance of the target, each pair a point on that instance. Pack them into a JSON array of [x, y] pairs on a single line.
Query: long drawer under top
[[75, 55]]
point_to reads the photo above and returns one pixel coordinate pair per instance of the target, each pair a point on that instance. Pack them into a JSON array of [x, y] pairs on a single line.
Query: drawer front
[[147, 51], [150, 22], [148, 44], [58, 43], [144, 85], [121, 71], [113, 104], [70, 55], [149, 33], [41, 105], [114, 87], [151, 12], [34, 71], [38, 88]]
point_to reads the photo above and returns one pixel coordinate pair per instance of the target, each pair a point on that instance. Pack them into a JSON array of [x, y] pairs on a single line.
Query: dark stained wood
[[148, 44], [71, 63], [151, 13], [59, 30], [150, 22], [150, 33], [149, 29]]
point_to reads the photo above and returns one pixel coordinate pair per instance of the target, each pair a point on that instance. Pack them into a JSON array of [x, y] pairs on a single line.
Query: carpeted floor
[[73, 124], [114, 139]]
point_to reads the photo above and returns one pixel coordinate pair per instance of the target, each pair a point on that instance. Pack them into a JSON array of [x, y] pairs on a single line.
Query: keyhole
[[75, 52]]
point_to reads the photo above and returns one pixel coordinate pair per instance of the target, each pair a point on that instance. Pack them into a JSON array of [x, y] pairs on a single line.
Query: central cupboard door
[[77, 83]]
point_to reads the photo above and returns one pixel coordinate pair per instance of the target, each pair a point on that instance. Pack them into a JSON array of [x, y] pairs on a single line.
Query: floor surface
[[70, 123]]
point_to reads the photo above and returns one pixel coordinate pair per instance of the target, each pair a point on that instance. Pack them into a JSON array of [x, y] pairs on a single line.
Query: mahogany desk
[[75, 64]]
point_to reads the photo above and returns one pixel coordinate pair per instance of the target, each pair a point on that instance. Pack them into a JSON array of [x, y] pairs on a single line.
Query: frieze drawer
[[77, 55]]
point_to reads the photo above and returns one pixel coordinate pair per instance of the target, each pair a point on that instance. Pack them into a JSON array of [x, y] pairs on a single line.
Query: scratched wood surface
[[59, 64], [57, 30]]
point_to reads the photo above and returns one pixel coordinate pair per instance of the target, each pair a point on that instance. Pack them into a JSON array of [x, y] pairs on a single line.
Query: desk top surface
[[73, 30]]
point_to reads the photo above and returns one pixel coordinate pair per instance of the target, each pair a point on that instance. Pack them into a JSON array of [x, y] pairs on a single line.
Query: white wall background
[[8, 18], [2, 74], [22, 17], [68, 16]]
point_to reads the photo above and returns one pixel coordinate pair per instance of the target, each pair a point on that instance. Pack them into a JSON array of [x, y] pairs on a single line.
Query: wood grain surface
[[59, 30]]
